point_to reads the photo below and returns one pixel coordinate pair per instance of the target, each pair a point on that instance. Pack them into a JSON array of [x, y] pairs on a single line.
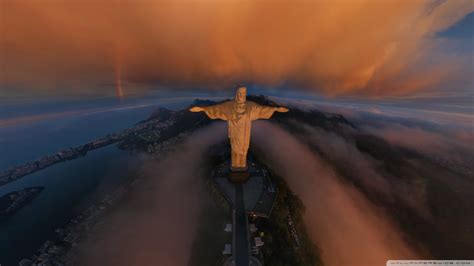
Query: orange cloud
[[338, 47]]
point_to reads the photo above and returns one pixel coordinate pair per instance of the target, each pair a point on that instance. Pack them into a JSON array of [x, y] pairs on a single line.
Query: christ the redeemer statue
[[239, 115]]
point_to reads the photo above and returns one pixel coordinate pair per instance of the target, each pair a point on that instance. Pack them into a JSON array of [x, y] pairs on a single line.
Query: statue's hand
[[282, 109], [196, 109]]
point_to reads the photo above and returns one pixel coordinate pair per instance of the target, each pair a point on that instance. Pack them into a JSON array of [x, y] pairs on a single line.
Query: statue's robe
[[239, 119]]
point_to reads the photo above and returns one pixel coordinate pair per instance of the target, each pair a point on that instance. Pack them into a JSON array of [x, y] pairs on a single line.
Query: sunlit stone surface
[[239, 115]]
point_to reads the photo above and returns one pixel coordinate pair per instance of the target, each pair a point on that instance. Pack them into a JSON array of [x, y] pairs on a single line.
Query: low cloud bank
[[443, 136], [369, 171], [347, 227], [452, 148], [157, 223]]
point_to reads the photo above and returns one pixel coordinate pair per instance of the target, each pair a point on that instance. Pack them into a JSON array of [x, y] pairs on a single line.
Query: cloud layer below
[[348, 228], [157, 224]]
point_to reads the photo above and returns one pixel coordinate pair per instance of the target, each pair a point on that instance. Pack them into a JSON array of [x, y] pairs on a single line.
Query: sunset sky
[[361, 48], [380, 128]]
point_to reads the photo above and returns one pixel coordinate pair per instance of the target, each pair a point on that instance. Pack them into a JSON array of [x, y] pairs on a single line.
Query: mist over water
[[157, 223], [39, 128]]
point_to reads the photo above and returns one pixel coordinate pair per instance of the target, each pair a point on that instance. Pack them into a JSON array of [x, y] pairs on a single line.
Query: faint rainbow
[[118, 75]]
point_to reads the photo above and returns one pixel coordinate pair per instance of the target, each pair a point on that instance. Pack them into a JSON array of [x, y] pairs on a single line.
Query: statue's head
[[241, 94]]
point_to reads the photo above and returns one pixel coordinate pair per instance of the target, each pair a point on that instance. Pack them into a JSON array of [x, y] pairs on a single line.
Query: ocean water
[[68, 186], [33, 129]]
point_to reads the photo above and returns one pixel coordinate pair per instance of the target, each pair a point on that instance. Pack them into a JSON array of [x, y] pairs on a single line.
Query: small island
[[13, 201]]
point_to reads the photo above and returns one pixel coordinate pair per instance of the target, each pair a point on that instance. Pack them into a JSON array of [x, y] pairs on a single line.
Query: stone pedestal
[[238, 175]]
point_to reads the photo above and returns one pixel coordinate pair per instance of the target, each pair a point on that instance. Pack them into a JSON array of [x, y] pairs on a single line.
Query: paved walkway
[[241, 232]]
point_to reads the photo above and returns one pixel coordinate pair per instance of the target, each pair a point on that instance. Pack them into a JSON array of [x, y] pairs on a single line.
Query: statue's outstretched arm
[[216, 111], [265, 112]]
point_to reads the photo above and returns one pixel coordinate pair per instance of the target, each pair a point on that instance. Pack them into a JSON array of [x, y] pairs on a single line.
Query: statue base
[[238, 174]]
